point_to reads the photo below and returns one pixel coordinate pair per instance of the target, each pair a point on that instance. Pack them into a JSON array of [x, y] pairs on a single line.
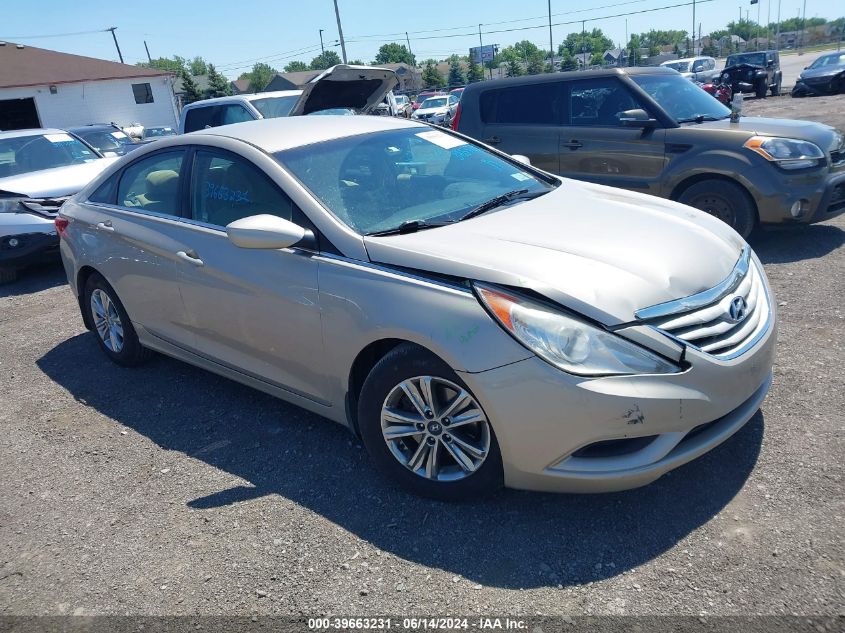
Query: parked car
[[425, 94], [457, 92], [475, 320], [825, 76], [106, 138], [701, 69], [403, 104], [152, 133], [439, 110], [650, 130], [39, 170], [210, 113], [757, 72]]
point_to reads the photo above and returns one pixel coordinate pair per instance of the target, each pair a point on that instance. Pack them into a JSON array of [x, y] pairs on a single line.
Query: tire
[[761, 89], [409, 364], [776, 89], [122, 348], [725, 200], [8, 275]]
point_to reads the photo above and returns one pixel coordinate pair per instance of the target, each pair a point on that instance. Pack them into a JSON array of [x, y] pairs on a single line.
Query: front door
[[595, 146], [253, 310]]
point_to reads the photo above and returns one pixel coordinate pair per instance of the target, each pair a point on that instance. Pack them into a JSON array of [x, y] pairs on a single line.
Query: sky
[[234, 35]]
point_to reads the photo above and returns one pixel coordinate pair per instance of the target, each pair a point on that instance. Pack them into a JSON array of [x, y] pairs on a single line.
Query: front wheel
[[761, 89], [114, 330], [776, 88], [725, 200], [425, 430]]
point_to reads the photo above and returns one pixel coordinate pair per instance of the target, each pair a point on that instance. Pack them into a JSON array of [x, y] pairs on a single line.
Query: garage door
[[18, 114]]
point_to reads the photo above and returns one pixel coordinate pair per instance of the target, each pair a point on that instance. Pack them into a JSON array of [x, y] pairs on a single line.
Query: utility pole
[[481, 52], [804, 24], [583, 45], [551, 43], [340, 31], [322, 49], [757, 48], [150, 59], [777, 31], [116, 45], [769, 25], [692, 33], [408, 39]]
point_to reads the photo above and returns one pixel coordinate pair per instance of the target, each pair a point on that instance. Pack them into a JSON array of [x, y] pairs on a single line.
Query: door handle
[[493, 140], [191, 257], [573, 144], [105, 226]]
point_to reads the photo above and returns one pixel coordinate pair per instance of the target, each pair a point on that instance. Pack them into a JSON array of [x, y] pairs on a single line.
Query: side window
[[200, 118], [711, 64], [152, 183], [104, 194], [531, 104], [598, 102], [234, 113], [225, 188]]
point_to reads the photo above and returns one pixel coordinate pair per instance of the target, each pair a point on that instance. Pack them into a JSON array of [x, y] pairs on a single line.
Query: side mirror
[[521, 159], [264, 231], [636, 118]]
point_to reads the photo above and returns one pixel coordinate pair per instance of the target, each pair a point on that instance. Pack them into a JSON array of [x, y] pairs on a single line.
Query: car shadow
[[512, 539], [35, 279], [796, 243]]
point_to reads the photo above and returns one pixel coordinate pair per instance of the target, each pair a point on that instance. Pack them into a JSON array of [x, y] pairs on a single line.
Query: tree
[[514, 69], [356, 62], [634, 46], [174, 65], [475, 72], [325, 60], [597, 59], [430, 77], [394, 54], [456, 73], [198, 66], [260, 75], [296, 66], [190, 88], [535, 64], [218, 86], [594, 41], [567, 61]]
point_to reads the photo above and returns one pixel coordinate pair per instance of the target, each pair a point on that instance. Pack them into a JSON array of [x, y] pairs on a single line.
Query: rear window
[[533, 104], [275, 107], [199, 118]]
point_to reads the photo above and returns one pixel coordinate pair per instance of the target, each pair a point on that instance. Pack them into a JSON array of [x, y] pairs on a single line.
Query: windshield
[[274, 107], [836, 59], [379, 181], [434, 103], [682, 99], [681, 67], [24, 154], [151, 132], [421, 98], [104, 141], [755, 59]]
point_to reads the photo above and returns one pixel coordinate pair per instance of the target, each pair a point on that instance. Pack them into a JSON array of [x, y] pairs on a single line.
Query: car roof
[[274, 135], [31, 132], [569, 75], [93, 127], [245, 97]]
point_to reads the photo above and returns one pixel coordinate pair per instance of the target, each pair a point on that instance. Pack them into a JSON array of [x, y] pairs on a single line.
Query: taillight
[[457, 117], [61, 225]]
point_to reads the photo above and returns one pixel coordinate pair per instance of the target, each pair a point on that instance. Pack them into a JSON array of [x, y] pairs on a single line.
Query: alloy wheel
[[435, 428], [716, 206], [107, 320]]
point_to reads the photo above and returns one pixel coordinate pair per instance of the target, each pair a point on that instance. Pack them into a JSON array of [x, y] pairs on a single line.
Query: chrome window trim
[[703, 298]]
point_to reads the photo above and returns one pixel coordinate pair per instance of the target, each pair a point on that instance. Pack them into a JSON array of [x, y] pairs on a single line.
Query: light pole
[[551, 43], [340, 31], [322, 50], [777, 31]]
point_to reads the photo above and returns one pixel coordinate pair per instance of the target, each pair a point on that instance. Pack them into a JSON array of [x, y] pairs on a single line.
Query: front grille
[[46, 207], [837, 157], [724, 321], [614, 448]]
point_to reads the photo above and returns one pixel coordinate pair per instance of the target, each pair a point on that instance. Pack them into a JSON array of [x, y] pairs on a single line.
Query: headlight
[[567, 342], [10, 204], [789, 153], [725, 77]]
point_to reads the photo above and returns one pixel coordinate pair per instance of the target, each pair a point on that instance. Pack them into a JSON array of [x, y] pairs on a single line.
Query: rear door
[[595, 146], [524, 119]]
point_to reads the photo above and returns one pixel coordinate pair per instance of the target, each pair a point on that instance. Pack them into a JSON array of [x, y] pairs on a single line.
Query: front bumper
[[562, 433], [775, 192], [31, 248], [803, 89]]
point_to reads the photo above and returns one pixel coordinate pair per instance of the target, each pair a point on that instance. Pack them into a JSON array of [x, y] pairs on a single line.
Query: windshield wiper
[[498, 201], [409, 226], [700, 118]]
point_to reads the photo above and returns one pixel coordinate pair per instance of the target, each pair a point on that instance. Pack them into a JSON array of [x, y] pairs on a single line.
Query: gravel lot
[[168, 490]]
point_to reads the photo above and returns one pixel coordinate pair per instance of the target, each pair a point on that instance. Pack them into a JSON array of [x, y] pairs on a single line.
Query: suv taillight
[[457, 118], [61, 225]]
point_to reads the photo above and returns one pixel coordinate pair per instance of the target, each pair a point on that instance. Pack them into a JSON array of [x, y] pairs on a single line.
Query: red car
[[422, 97]]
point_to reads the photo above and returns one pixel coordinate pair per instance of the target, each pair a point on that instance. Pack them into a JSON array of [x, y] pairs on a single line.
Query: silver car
[[476, 321]]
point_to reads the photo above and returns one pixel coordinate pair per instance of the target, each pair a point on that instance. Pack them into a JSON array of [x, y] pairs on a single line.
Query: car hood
[[825, 136], [59, 181], [824, 71], [742, 66], [360, 88], [600, 251], [440, 110]]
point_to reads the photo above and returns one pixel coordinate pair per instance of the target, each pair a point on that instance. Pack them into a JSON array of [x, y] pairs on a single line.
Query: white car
[[439, 110], [702, 69], [39, 170]]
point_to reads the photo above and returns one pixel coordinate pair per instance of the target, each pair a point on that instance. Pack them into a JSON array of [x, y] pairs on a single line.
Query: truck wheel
[[776, 88], [724, 200], [8, 275], [761, 89]]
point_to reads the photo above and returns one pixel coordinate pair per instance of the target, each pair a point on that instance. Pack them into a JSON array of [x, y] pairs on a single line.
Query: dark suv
[[651, 130], [757, 72]]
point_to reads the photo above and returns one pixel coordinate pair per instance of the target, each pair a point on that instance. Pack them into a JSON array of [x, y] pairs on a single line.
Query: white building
[[42, 88]]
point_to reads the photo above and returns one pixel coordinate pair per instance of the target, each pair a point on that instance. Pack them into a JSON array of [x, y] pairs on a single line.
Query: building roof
[[240, 86], [29, 66]]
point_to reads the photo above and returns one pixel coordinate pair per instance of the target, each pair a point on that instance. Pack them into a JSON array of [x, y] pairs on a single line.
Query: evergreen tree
[[535, 64], [567, 61], [475, 73], [190, 88], [218, 86], [430, 77], [456, 73], [514, 69]]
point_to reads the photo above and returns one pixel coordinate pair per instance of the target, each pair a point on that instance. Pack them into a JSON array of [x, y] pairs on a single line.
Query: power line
[[9, 38]]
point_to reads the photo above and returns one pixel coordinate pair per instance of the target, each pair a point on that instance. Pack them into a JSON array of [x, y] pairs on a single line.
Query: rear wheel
[[8, 275], [425, 430], [725, 200], [114, 330]]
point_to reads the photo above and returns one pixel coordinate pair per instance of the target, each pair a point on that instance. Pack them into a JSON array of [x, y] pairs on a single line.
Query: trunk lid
[[360, 88]]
